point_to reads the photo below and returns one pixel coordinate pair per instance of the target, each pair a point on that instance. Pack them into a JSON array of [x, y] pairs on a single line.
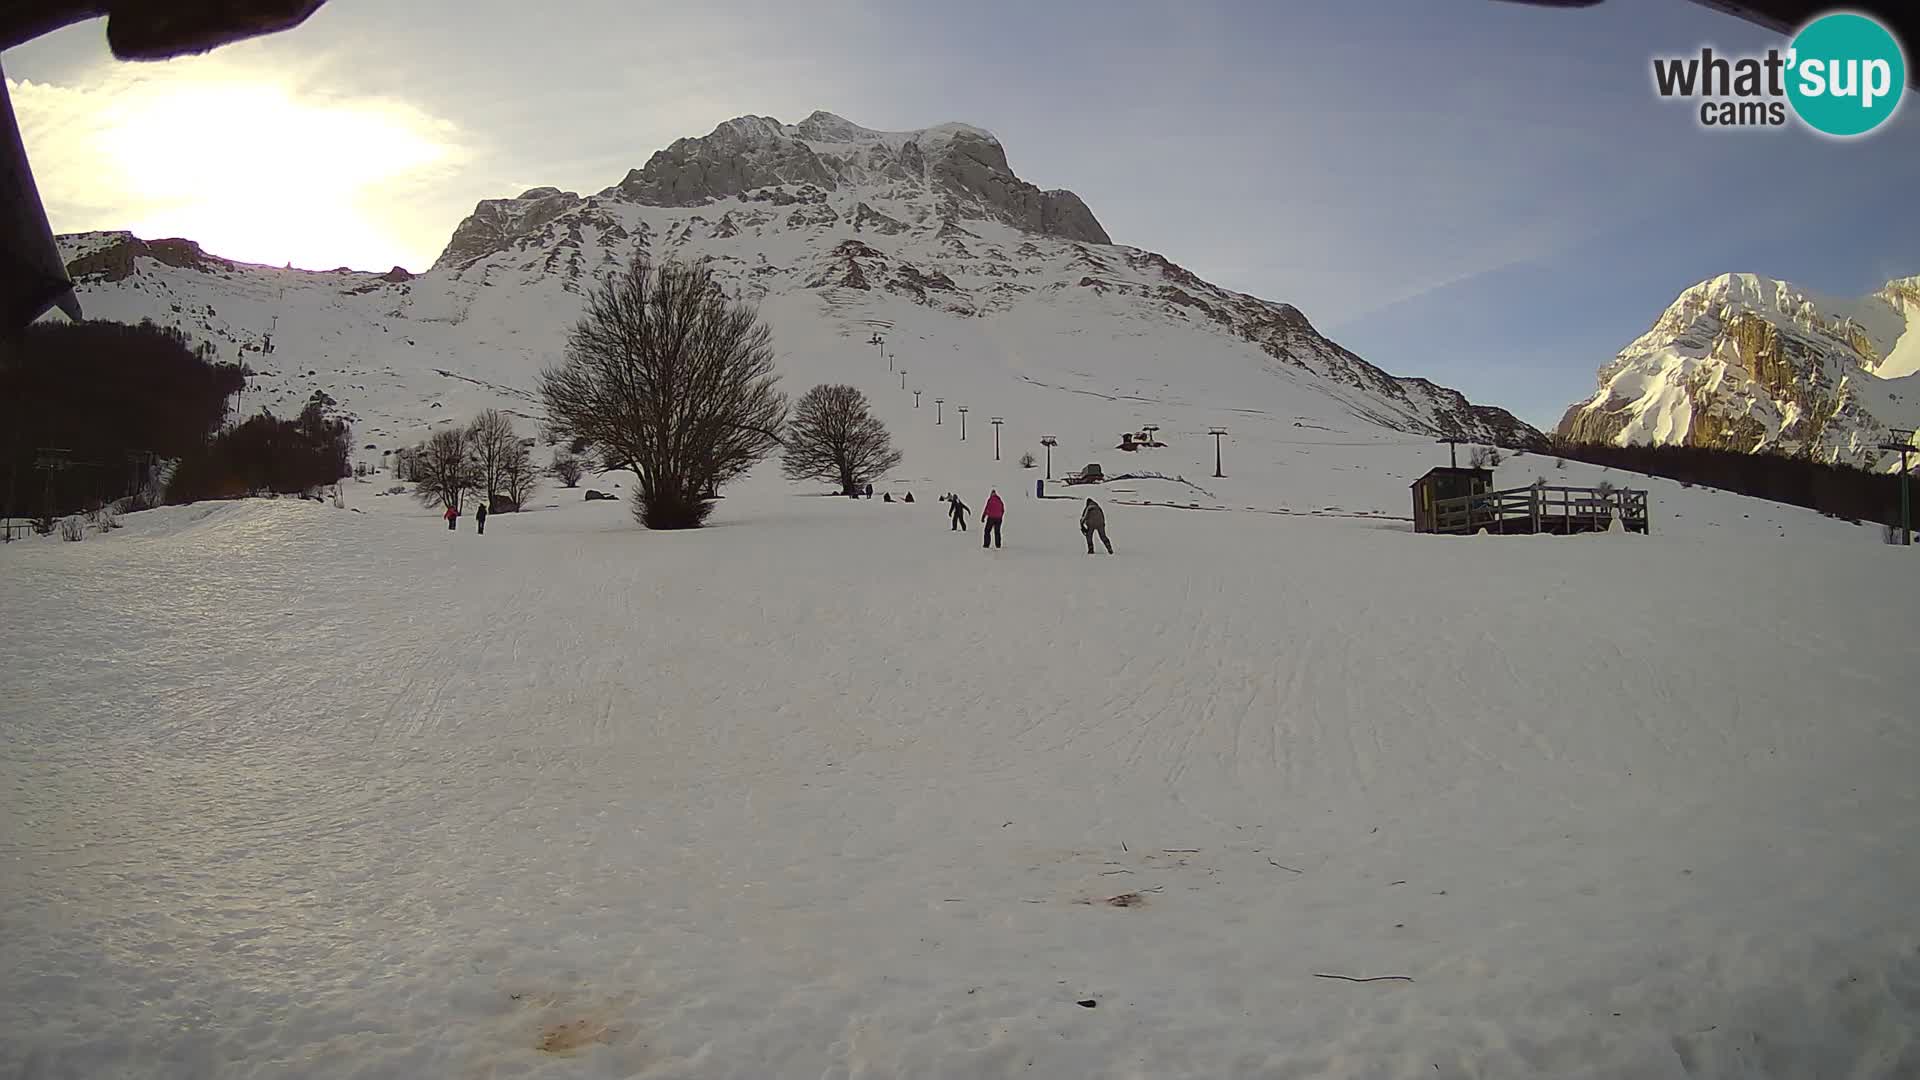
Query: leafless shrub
[[567, 468]]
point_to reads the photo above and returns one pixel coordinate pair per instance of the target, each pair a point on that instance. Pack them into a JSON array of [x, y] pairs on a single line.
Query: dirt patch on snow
[[570, 1038]]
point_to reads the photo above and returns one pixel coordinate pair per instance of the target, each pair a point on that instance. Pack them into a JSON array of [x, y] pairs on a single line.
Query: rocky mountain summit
[[840, 231], [1749, 363]]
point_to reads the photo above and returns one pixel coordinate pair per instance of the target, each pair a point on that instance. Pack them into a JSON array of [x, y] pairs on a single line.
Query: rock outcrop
[[1747, 363], [964, 165], [495, 223]]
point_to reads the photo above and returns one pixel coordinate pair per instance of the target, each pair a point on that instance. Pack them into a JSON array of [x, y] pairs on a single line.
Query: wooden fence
[[1540, 509]]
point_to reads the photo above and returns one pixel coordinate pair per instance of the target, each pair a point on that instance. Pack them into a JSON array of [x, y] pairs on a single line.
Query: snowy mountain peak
[[958, 167], [826, 128], [1748, 362], [837, 231]]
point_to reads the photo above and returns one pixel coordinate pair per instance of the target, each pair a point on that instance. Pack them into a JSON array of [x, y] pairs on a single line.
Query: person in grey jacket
[[1093, 522]]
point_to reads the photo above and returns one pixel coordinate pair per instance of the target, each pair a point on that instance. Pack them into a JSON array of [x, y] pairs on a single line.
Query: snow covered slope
[[1744, 363], [826, 790], [841, 232]]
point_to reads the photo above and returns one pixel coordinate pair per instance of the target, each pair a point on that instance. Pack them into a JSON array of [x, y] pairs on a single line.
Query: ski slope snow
[[828, 790]]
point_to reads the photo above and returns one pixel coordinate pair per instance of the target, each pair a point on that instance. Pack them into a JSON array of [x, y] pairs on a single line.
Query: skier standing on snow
[[990, 516], [452, 516], [957, 510], [480, 517], [1093, 522]]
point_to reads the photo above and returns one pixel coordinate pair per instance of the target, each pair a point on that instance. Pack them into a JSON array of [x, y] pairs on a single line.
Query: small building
[[1445, 483]]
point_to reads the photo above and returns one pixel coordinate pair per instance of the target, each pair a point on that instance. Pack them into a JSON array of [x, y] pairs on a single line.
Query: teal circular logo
[[1845, 74]]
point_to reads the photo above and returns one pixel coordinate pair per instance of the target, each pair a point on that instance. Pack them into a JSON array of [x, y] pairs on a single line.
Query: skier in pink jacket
[[990, 516]]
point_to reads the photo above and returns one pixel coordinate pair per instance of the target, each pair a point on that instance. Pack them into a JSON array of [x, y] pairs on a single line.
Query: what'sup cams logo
[[1843, 75]]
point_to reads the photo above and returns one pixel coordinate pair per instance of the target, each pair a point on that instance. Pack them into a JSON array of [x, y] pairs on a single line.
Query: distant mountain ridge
[[1744, 362], [841, 224]]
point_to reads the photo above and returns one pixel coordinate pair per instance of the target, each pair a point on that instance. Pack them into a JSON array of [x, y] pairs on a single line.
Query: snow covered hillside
[[1742, 362], [986, 287], [826, 790], [1279, 788]]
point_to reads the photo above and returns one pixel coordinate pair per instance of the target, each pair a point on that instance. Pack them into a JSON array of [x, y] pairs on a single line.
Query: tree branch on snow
[[1350, 978]]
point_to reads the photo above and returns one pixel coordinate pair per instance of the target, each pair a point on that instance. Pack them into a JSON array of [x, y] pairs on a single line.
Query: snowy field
[[825, 790]]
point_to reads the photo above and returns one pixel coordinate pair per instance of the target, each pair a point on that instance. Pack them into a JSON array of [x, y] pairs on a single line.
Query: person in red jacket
[[990, 516], [452, 516]]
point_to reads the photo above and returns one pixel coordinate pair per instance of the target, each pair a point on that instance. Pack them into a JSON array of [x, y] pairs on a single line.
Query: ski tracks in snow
[[828, 790]]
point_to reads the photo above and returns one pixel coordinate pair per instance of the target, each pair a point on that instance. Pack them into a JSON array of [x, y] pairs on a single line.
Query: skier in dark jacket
[[957, 510], [480, 517], [1093, 522]]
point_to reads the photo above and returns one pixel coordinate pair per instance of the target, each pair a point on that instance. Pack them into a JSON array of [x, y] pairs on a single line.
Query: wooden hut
[[1445, 483]]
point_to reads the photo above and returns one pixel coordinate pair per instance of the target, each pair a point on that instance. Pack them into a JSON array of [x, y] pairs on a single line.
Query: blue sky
[[1486, 194]]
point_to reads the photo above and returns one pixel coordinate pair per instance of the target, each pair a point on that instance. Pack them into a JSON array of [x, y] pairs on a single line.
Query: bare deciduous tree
[[567, 469], [518, 477], [444, 470], [668, 378], [833, 436], [492, 442]]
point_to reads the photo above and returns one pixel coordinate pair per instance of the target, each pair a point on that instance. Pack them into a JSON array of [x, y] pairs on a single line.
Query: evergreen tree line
[[265, 454], [1842, 491], [109, 401]]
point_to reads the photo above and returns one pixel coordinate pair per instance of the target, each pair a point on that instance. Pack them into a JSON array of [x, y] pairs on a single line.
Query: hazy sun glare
[[246, 164]]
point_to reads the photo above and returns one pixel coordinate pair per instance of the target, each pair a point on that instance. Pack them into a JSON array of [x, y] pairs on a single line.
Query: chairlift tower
[[1049, 442], [52, 461], [1902, 441], [996, 422], [963, 423], [1217, 433]]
